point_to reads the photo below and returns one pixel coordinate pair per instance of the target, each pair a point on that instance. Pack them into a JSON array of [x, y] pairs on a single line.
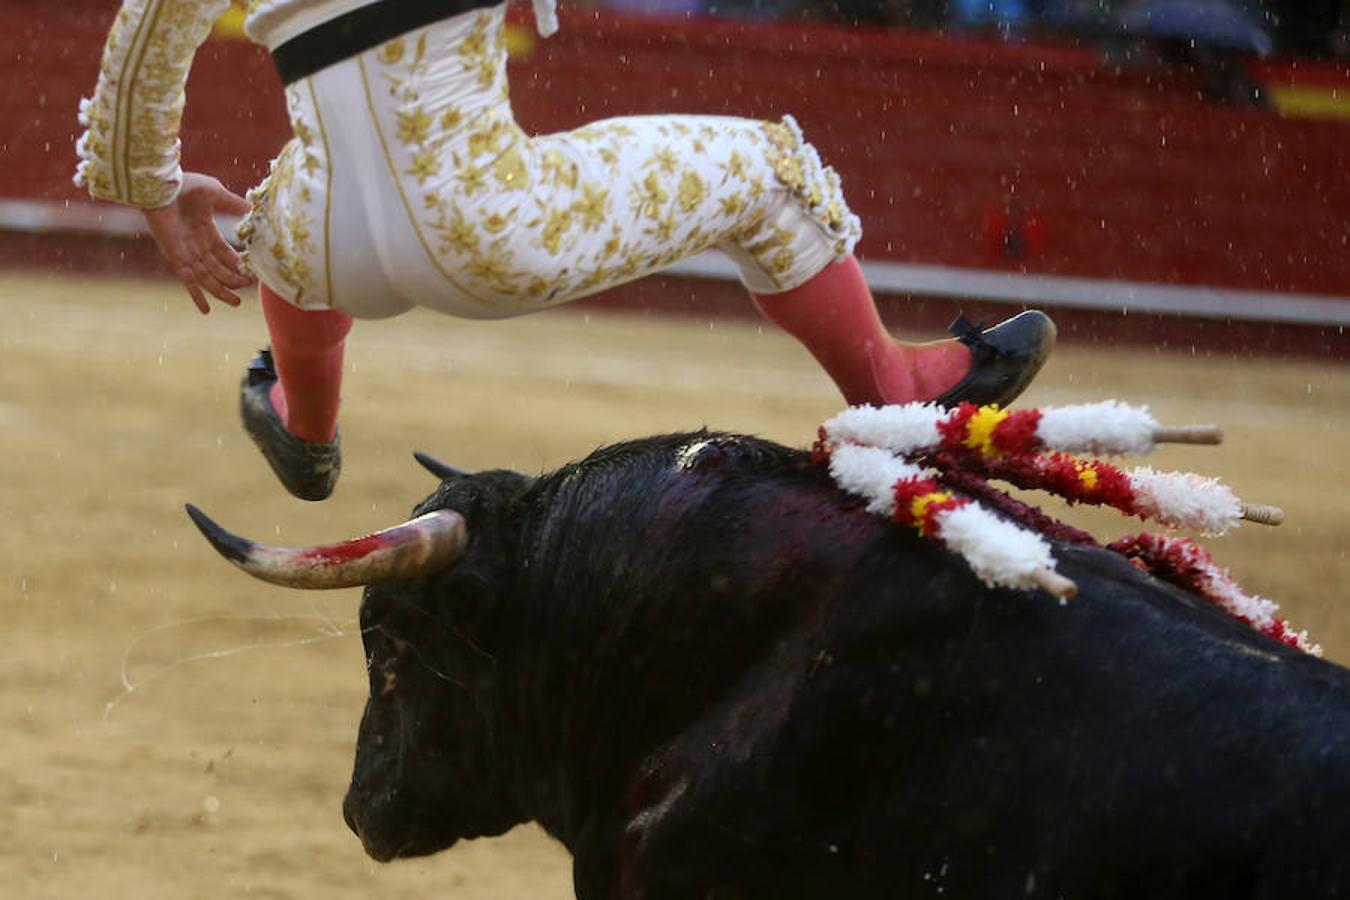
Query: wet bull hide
[[710, 674]]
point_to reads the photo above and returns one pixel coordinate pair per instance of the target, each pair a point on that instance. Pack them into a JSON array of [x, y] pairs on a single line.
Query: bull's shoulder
[[1115, 586], [698, 452]]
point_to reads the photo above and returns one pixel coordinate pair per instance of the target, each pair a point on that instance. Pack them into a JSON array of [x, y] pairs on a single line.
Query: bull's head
[[427, 770]]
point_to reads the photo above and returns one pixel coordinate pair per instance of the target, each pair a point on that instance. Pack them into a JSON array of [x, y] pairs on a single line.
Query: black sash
[[359, 30]]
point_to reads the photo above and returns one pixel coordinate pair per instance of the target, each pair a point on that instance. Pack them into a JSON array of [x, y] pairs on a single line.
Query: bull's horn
[[435, 466], [426, 544]]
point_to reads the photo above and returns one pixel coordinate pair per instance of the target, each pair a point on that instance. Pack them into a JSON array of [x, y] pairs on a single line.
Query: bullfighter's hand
[[187, 235]]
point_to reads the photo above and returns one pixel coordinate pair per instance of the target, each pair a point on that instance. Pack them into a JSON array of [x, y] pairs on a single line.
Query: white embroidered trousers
[[409, 183]]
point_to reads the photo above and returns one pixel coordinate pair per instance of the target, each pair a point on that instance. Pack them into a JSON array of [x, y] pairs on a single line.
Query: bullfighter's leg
[[835, 317], [795, 252], [480, 219], [578, 212], [289, 399], [307, 348]]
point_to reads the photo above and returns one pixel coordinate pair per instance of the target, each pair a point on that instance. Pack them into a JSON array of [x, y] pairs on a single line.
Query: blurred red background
[[972, 153]]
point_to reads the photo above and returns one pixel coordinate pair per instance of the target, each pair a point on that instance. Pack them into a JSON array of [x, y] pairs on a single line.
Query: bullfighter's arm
[[130, 150]]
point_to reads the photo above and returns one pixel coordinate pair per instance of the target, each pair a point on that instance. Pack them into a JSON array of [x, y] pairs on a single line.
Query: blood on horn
[[426, 544]]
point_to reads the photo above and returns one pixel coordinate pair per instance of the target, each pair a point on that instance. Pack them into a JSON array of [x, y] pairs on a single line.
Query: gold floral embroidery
[[496, 222], [663, 229], [734, 166], [490, 267], [559, 170], [510, 171], [390, 53], [129, 151], [611, 201], [472, 180], [692, 191], [290, 208], [474, 44], [453, 155], [789, 171], [425, 164], [459, 235], [559, 221], [650, 196], [665, 160], [414, 125], [488, 138], [592, 206]]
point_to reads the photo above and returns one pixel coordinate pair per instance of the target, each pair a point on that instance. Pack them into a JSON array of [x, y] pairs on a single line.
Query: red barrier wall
[[963, 152]]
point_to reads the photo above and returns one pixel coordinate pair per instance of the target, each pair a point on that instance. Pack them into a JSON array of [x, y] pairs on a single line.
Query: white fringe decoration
[[870, 473], [1186, 500], [1106, 427], [868, 449], [1260, 611], [905, 429], [1000, 553]]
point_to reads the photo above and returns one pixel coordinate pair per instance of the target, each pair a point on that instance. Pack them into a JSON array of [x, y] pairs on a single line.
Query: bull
[[710, 674]]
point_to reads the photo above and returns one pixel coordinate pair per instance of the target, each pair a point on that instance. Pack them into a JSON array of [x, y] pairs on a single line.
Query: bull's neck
[[636, 607], [573, 700]]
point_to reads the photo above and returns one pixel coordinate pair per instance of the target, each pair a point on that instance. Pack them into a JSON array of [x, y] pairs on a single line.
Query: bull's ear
[[435, 466]]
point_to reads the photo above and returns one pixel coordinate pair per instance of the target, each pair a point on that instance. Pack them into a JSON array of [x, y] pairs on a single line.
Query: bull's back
[[1138, 742], [848, 711]]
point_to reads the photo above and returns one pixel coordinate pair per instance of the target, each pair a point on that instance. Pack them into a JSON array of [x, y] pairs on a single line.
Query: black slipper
[[1004, 359], [309, 471]]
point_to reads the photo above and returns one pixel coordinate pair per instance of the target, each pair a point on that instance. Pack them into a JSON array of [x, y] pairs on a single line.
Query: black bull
[[712, 675]]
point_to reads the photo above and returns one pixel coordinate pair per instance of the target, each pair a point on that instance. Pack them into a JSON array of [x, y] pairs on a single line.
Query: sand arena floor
[[173, 729]]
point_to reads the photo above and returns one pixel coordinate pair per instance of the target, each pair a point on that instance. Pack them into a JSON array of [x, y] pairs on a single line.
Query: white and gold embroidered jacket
[[408, 181], [130, 150]]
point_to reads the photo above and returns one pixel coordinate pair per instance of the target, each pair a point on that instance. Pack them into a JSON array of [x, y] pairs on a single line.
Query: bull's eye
[[382, 662], [388, 670]]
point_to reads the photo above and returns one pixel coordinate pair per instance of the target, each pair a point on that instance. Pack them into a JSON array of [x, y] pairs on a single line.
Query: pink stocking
[[307, 351], [834, 317]]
